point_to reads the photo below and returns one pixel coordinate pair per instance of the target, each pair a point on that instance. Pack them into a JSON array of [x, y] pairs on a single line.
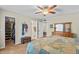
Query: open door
[[9, 30]]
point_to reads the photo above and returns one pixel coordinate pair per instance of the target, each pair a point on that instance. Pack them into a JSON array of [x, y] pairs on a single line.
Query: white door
[[42, 28], [34, 29]]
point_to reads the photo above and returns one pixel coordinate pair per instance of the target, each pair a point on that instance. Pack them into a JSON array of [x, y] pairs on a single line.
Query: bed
[[52, 45]]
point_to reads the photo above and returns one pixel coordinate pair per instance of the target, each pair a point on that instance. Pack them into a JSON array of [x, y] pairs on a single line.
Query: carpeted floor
[[11, 48]]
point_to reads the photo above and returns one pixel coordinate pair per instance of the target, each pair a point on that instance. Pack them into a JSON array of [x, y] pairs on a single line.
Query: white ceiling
[[28, 10]]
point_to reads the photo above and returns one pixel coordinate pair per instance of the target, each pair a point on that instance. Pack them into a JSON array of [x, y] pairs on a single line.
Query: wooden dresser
[[65, 34]]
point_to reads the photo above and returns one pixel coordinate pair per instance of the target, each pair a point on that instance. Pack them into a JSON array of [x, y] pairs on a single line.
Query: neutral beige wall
[[2, 44], [19, 19], [73, 17]]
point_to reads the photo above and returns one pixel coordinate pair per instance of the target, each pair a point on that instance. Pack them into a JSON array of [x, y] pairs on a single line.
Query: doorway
[[9, 30]]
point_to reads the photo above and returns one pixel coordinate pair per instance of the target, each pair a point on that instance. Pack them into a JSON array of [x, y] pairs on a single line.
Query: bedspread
[[52, 45]]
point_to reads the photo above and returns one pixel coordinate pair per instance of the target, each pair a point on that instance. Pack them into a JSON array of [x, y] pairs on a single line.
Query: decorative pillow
[[42, 51]]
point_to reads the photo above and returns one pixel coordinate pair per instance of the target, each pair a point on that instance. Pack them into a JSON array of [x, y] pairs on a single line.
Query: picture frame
[[51, 25], [24, 28]]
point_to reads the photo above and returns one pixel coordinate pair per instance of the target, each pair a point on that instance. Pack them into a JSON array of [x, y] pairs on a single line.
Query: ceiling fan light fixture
[[45, 13], [47, 9]]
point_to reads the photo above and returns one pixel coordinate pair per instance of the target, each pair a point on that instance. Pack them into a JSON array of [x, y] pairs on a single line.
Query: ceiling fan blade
[[40, 7], [45, 7], [52, 12], [52, 7], [60, 10], [37, 12]]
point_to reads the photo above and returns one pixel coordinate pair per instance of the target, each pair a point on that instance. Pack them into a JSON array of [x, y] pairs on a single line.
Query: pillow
[[42, 51]]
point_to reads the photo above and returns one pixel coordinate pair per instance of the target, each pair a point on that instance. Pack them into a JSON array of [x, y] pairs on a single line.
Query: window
[[63, 27], [59, 27]]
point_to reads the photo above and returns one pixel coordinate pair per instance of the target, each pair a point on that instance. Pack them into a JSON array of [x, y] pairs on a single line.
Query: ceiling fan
[[46, 10]]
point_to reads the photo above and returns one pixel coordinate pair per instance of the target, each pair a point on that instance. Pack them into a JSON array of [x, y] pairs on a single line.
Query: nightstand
[[25, 39]]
